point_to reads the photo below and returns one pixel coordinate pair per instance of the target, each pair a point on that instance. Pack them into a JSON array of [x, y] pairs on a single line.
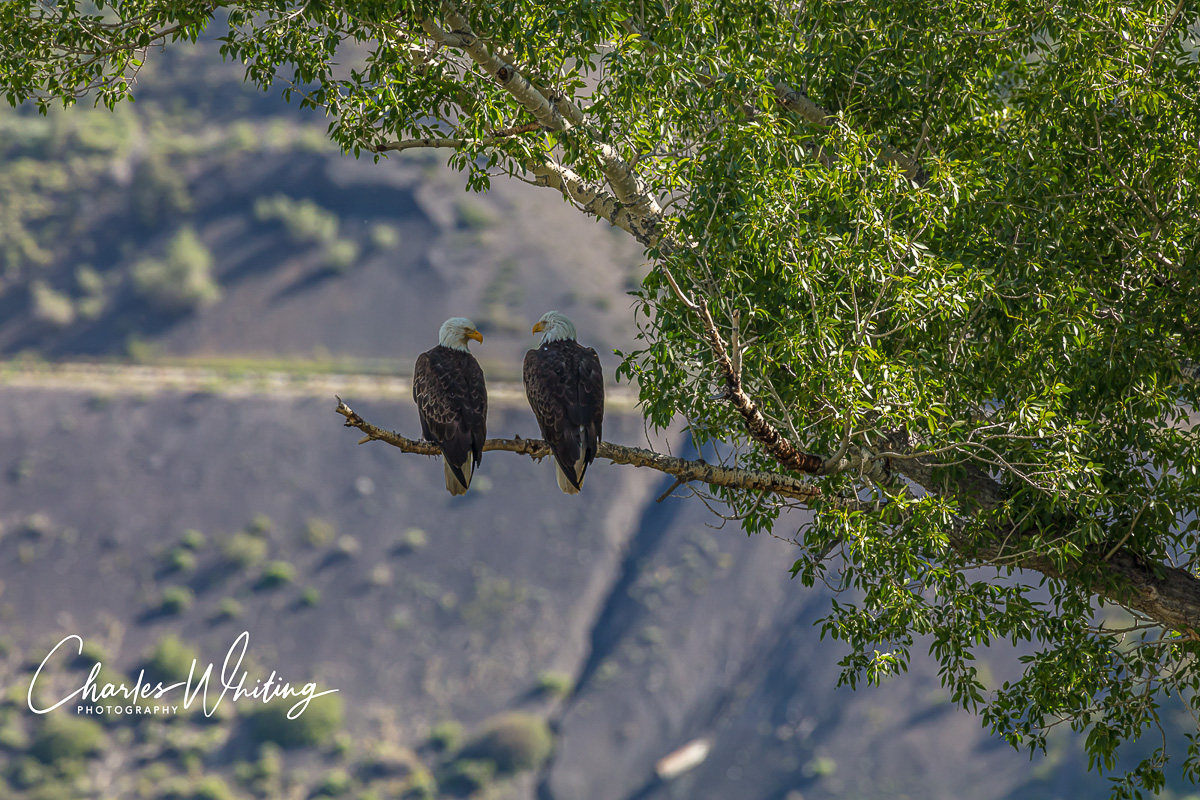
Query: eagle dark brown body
[[451, 397], [565, 386]]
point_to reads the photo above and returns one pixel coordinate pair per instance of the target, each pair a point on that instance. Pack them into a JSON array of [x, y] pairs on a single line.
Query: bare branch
[[684, 470], [596, 201], [410, 144], [798, 104]]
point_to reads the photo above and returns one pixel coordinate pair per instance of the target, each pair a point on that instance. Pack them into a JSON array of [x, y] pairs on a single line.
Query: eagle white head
[[456, 331], [554, 326]]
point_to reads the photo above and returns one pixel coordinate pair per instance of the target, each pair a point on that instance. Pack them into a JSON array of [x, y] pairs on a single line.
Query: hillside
[[421, 609], [287, 247]]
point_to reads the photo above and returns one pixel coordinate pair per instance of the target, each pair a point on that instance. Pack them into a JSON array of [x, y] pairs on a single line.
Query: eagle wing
[[591, 401], [451, 397], [564, 383]]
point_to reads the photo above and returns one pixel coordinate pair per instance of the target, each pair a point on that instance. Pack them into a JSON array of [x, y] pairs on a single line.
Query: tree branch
[[1167, 594], [596, 201], [545, 106], [798, 104], [410, 144], [505, 74], [1164, 593], [683, 469], [760, 430]]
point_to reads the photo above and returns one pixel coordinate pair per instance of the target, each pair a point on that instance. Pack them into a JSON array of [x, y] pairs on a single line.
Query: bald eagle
[[565, 387], [451, 398]]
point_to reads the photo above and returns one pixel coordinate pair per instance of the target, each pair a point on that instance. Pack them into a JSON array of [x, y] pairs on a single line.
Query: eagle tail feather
[[580, 468], [564, 482], [458, 479]]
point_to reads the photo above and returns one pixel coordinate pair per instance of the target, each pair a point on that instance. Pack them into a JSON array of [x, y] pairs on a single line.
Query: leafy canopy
[[974, 262]]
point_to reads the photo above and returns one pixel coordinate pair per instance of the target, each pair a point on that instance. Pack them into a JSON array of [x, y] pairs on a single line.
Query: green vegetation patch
[[341, 254], [465, 776], [554, 684], [180, 559], [336, 783], [260, 525], [50, 307], [513, 742], [64, 738], [176, 600], [244, 549], [445, 736], [192, 539], [305, 221], [275, 574], [319, 532], [182, 280], [316, 725], [171, 661]]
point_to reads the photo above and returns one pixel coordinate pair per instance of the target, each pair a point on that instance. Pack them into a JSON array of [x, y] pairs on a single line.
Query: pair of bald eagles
[[563, 381]]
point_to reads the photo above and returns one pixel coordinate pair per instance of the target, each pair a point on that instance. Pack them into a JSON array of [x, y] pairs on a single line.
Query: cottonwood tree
[[926, 268]]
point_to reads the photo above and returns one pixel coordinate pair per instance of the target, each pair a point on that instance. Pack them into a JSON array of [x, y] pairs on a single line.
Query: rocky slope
[[420, 608]]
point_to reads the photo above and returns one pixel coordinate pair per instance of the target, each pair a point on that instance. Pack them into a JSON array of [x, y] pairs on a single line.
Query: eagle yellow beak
[[476, 335], [541, 326]]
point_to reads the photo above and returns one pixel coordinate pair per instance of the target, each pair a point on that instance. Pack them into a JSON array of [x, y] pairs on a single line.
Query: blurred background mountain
[[515, 643]]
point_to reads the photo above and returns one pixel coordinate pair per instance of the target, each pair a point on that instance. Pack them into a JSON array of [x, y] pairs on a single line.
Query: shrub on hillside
[[554, 684], [229, 609], [384, 236], [182, 280], [244, 549], [277, 573], [341, 254], [260, 525], [466, 776], [159, 192], [474, 215], [445, 736], [318, 531], [176, 600], [514, 742], [316, 725], [412, 540], [336, 783], [212, 787], [192, 539], [65, 738], [49, 306], [304, 220], [179, 559], [170, 662]]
